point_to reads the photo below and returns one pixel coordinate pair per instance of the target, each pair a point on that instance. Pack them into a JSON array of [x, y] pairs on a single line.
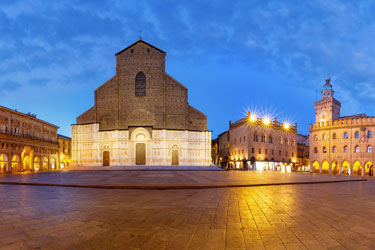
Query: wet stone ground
[[309, 216]]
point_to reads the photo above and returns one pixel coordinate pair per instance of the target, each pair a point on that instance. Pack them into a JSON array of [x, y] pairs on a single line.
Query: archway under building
[[369, 168], [52, 163], [36, 164], [316, 167], [16, 164], [3, 163], [325, 167], [26, 163], [335, 168], [45, 164], [346, 168], [357, 168]]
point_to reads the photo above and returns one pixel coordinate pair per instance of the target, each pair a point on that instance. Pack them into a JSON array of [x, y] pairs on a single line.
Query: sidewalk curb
[[175, 187]]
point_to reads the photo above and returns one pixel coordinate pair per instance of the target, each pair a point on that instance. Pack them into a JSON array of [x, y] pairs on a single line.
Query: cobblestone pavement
[[167, 178], [320, 216]]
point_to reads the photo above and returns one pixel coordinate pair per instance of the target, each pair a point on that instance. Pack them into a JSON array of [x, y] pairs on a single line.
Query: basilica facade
[[141, 116], [341, 145]]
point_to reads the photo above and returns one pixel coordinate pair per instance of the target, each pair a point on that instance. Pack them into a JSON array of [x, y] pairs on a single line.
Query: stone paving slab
[[168, 179], [329, 216]]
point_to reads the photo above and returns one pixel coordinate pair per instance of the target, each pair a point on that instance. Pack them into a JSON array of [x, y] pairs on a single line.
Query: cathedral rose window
[[140, 84]]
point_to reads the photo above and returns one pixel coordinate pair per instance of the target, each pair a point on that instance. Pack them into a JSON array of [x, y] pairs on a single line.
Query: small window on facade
[[279, 152], [369, 149], [369, 134], [263, 138], [140, 84], [315, 150], [356, 135], [315, 138], [252, 150], [260, 151], [356, 149], [324, 137], [324, 150], [334, 136], [255, 137], [346, 135], [281, 140], [266, 151], [334, 149], [270, 140]]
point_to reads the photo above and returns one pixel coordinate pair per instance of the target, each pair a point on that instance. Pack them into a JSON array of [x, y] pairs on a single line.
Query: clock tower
[[328, 108]]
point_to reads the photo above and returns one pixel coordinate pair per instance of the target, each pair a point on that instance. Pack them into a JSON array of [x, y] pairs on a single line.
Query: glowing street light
[[253, 118], [286, 126], [266, 121]]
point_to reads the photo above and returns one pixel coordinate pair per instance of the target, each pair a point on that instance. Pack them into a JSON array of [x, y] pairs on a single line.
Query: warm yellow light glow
[[266, 121], [286, 125], [253, 118]]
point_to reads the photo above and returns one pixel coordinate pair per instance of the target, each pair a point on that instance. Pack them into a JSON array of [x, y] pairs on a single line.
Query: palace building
[[341, 145], [258, 143], [141, 116], [26, 143]]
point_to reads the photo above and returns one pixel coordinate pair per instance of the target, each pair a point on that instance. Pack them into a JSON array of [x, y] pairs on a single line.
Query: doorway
[[106, 158], [175, 157], [140, 154]]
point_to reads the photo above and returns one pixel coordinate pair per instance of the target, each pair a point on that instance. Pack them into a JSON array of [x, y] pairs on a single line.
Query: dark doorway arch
[[106, 158]]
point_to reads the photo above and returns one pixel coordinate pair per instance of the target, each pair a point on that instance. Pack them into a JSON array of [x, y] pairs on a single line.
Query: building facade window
[[369, 150], [346, 135], [334, 149], [315, 138], [356, 135], [263, 138], [334, 136], [345, 149], [270, 140], [356, 149], [315, 150], [324, 150], [369, 134], [140, 84], [255, 137], [324, 137]]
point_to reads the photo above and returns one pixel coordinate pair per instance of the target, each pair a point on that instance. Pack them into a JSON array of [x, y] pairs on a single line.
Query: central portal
[[140, 154]]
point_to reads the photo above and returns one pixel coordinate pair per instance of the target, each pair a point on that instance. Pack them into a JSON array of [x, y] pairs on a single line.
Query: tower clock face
[[323, 116]]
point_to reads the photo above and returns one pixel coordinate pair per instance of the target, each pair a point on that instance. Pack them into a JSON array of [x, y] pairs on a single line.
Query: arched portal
[[345, 168], [316, 167], [175, 155], [335, 167], [36, 164], [3, 163], [325, 167], [106, 158], [369, 168], [45, 164], [357, 168], [16, 164]]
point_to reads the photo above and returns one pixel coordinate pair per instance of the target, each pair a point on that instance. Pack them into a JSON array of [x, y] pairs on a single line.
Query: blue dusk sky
[[272, 56]]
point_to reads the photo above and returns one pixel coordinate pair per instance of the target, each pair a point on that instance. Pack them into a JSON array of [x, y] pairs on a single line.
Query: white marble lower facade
[[91, 147]]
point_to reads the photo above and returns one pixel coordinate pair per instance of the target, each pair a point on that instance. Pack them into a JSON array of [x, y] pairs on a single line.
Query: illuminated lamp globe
[[286, 125], [266, 121], [253, 118]]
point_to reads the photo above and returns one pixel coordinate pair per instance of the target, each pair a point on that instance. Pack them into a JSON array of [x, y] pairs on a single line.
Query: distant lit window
[[356, 149], [369, 150]]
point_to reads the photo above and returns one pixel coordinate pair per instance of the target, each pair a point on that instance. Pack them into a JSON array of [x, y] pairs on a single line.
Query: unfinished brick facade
[[142, 95]]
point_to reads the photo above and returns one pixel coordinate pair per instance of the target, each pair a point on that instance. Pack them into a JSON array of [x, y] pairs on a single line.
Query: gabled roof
[[140, 41]]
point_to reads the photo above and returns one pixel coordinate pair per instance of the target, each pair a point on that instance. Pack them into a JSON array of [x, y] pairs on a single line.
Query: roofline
[[28, 116], [139, 42], [58, 135]]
